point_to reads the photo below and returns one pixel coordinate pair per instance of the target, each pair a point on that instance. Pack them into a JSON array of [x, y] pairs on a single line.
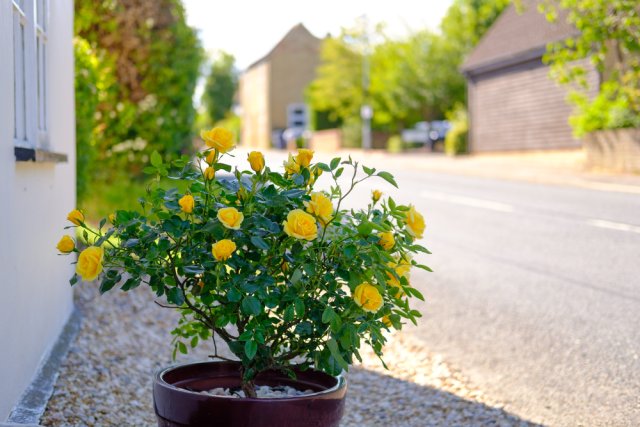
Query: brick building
[[513, 103], [272, 89]]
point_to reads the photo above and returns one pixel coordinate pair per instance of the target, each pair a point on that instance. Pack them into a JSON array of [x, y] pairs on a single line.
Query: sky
[[248, 29]]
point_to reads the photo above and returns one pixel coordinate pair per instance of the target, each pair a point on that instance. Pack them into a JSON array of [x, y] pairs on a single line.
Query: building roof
[[517, 35], [298, 31]]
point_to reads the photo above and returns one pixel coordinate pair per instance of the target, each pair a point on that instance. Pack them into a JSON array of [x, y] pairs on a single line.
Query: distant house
[[272, 89], [37, 185], [513, 103]]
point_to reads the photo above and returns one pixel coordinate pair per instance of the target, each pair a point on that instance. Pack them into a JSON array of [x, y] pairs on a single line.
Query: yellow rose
[[320, 206], [402, 270], [76, 217], [211, 157], [187, 203], [256, 160], [387, 241], [376, 194], [290, 166], [415, 223], [209, 173], [230, 218], [301, 225], [66, 244], [89, 263], [223, 249], [112, 218], [367, 297], [219, 139], [304, 157]]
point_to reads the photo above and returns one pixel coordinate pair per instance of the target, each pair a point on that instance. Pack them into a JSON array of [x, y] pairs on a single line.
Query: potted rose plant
[[292, 281]]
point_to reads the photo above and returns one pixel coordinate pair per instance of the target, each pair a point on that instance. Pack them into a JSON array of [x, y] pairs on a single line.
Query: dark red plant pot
[[178, 404]]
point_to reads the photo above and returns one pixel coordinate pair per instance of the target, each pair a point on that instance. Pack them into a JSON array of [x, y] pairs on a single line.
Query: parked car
[[427, 133]]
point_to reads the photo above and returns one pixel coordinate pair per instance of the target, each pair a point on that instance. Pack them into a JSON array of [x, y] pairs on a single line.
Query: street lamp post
[[366, 112]]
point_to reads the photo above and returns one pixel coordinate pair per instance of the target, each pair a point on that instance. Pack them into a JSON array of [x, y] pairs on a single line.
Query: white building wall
[[35, 296]]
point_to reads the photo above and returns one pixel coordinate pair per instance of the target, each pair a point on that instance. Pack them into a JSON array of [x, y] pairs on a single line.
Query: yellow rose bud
[[320, 206], [368, 297], [223, 249], [112, 218], [256, 160], [376, 194], [230, 218], [209, 173], [415, 223], [76, 217], [300, 225], [242, 193], [387, 241], [211, 157], [219, 139], [89, 263], [304, 157], [66, 244], [187, 203], [386, 321], [290, 166]]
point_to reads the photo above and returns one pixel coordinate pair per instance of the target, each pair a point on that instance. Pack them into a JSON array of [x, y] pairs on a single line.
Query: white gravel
[[107, 376]]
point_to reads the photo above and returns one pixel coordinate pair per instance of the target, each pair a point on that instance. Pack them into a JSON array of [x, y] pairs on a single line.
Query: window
[[297, 116], [30, 73]]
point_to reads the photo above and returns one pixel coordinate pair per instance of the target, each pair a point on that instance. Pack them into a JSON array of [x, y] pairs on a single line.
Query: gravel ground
[[106, 378]]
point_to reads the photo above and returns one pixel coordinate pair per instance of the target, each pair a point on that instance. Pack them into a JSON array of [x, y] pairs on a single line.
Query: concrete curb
[[33, 402]]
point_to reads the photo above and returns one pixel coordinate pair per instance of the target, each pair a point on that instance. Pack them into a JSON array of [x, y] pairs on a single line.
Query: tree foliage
[[413, 79], [609, 39], [220, 87], [149, 60]]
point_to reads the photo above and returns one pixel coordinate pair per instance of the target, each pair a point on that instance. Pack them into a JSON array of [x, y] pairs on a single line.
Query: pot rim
[[159, 380]]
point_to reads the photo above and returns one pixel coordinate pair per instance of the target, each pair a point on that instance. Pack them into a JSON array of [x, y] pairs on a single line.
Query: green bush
[[456, 142], [86, 85], [608, 110]]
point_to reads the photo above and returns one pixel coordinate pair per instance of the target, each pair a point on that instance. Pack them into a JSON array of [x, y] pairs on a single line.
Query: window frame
[[30, 57]]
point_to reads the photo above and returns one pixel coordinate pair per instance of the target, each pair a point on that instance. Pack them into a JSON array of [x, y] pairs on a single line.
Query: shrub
[[455, 142]]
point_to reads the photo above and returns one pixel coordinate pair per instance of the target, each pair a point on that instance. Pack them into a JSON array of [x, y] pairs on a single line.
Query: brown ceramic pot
[[178, 404]]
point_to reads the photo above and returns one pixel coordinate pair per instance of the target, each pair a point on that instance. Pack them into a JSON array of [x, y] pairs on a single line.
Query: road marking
[[468, 201], [611, 225]]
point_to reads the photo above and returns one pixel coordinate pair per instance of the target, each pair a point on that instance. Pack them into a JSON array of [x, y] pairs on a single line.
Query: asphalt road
[[535, 294]]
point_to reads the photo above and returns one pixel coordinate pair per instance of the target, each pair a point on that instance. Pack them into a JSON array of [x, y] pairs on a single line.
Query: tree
[[608, 39], [338, 85], [150, 59], [220, 88]]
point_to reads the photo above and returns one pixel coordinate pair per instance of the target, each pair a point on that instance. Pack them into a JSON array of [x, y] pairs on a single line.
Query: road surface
[[535, 294]]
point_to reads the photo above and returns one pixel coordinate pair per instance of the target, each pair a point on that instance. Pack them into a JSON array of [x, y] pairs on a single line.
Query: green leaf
[[156, 159], [193, 269], [175, 296], [335, 352], [288, 314], [424, 267], [335, 162], [365, 228], [251, 305], [250, 349], [299, 307], [296, 276], [106, 285], [323, 166], [223, 166], [182, 347], [414, 292], [339, 172], [349, 251], [234, 295], [388, 177], [260, 243], [328, 314], [73, 280], [368, 171]]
